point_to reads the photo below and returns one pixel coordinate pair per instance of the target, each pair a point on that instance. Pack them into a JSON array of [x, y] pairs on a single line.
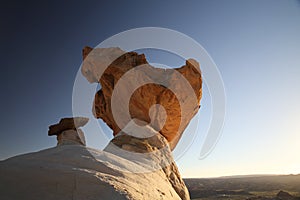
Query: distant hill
[[250, 176]]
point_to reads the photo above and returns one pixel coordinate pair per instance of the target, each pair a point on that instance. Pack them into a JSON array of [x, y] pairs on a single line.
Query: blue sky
[[255, 44]]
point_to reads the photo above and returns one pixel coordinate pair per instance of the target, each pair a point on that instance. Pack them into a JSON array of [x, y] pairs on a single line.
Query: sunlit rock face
[[153, 156], [140, 88]]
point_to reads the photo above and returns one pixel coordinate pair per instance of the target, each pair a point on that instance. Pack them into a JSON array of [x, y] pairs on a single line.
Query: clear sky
[[255, 44]]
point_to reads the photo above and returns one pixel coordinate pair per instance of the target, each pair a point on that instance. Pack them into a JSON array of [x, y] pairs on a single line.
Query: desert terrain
[[245, 187]]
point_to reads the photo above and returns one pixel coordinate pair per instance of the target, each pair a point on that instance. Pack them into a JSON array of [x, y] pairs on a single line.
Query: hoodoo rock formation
[[68, 131], [148, 109], [153, 86]]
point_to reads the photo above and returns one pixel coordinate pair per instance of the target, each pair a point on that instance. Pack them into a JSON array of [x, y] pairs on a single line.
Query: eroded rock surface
[[152, 154], [128, 168], [164, 87]]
